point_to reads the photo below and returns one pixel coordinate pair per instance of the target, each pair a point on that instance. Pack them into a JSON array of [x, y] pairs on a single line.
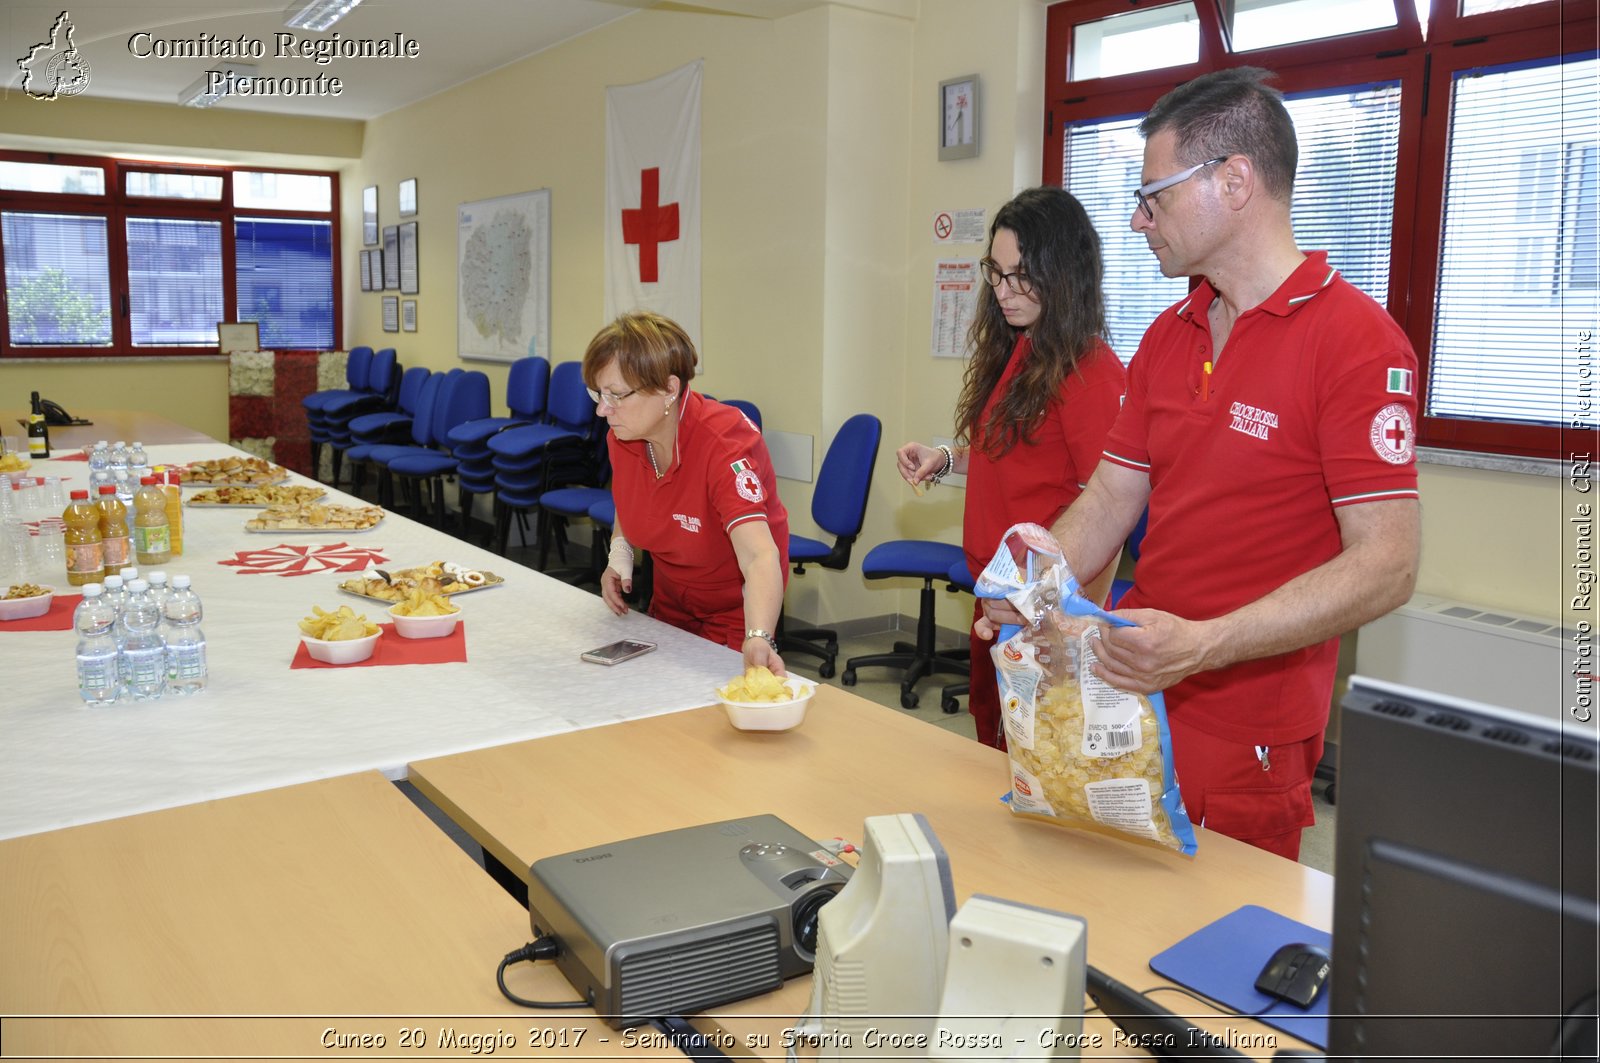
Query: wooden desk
[[292, 923], [112, 425], [849, 760]]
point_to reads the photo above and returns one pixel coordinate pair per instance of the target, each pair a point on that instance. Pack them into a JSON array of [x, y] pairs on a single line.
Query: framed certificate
[[391, 313], [408, 315], [958, 118], [408, 197], [391, 258], [369, 215], [408, 258]]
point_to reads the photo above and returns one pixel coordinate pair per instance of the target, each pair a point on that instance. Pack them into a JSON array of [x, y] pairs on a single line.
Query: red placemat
[[58, 618], [392, 649], [76, 455]]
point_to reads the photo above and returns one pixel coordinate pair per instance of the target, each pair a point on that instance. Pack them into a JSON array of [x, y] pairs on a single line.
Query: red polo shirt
[[1311, 407], [1040, 476], [720, 477]]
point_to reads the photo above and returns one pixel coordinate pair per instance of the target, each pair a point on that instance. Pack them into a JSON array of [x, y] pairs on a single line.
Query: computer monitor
[[1466, 920]]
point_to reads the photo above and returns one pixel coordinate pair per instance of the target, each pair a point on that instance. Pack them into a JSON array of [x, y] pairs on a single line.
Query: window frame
[[1424, 68], [116, 206]]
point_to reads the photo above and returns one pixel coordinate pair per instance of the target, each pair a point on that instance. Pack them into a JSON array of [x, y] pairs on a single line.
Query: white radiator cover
[[1474, 652]]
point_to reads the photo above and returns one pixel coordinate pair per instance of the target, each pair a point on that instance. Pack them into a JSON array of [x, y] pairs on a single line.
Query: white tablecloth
[[261, 725]]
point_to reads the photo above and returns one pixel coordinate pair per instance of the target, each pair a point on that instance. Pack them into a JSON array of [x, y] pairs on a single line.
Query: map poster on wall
[[503, 277]]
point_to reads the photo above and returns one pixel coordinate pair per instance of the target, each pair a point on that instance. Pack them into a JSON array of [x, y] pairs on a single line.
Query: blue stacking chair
[[576, 503], [386, 426], [748, 408], [839, 507], [383, 390], [918, 559], [357, 367], [430, 407], [527, 390], [533, 459], [463, 397]]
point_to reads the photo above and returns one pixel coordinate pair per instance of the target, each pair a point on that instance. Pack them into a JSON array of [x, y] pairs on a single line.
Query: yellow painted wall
[[820, 182]]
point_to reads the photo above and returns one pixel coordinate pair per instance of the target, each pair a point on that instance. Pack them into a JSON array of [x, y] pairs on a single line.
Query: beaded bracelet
[[949, 463]]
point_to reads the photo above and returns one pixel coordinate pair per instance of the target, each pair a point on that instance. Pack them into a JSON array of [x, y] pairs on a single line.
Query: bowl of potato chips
[[760, 701], [424, 614], [340, 637]]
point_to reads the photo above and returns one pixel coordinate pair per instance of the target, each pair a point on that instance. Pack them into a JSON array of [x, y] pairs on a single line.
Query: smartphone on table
[[617, 652]]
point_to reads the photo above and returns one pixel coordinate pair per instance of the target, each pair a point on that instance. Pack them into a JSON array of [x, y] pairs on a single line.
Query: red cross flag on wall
[[653, 197]]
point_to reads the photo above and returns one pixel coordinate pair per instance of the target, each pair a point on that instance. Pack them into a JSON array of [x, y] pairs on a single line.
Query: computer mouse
[[1295, 973]]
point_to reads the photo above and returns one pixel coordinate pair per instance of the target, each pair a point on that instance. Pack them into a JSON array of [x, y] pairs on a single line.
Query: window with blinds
[[58, 284], [1517, 259], [284, 274], [1343, 201], [174, 282]]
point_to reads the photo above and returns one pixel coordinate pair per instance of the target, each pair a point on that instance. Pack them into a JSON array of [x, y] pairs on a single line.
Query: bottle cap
[[108, 489], [138, 586], [93, 590], [180, 583], [82, 492], [114, 582], [158, 576], [147, 479]]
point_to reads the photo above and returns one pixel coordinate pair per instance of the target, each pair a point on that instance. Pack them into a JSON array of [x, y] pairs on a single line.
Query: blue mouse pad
[[1222, 961]]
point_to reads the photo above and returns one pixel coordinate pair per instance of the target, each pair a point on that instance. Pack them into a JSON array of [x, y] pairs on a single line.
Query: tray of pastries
[[306, 517], [253, 497], [393, 585], [233, 471]]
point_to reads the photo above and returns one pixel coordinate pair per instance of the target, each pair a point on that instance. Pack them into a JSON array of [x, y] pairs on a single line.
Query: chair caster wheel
[[825, 669], [950, 705], [908, 699], [849, 677]]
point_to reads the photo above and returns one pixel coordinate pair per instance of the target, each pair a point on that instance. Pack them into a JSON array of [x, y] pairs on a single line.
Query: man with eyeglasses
[[1269, 427]]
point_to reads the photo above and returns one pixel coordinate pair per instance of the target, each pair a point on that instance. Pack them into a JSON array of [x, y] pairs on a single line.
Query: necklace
[[650, 449]]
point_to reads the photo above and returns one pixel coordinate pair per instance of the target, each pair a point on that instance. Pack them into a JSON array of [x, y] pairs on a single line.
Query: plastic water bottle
[[98, 679], [136, 456], [115, 595], [186, 643], [144, 652], [99, 455], [125, 489], [117, 458], [159, 591]]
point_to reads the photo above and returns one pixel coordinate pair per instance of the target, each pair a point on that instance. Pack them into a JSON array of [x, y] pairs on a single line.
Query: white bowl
[[772, 715], [341, 651], [23, 608], [424, 627]]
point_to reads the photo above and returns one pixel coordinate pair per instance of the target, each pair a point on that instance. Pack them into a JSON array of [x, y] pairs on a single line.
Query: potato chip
[[338, 626], [425, 599], [757, 684]]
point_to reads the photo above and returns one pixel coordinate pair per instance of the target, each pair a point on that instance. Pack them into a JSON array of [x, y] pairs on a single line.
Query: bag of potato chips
[[1083, 753]]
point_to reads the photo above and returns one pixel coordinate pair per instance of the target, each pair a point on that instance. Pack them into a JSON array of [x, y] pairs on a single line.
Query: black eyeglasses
[[1018, 282], [1144, 195]]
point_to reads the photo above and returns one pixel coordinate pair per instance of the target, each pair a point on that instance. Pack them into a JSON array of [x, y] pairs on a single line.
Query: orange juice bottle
[[116, 545], [166, 480], [85, 561], [152, 537]]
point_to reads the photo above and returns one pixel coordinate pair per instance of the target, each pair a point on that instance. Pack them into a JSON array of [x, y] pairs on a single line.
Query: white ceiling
[[458, 40]]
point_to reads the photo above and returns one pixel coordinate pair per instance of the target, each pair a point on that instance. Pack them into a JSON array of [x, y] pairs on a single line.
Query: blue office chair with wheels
[[918, 559], [839, 507], [961, 579]]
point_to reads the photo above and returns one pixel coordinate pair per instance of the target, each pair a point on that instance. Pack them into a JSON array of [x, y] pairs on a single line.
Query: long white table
[[261, 725]]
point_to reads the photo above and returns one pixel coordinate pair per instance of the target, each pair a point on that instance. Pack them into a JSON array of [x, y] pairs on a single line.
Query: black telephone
[[54, 415]]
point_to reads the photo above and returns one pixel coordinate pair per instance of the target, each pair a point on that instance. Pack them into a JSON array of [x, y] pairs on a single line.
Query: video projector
[[686, 919]]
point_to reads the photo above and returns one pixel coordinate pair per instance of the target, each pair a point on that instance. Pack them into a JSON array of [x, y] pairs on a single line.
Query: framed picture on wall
[[391, 258], [369, 215], [408, 197], [391, 313], [408, 315], [408, 258], [958, 118], [366, 271]]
